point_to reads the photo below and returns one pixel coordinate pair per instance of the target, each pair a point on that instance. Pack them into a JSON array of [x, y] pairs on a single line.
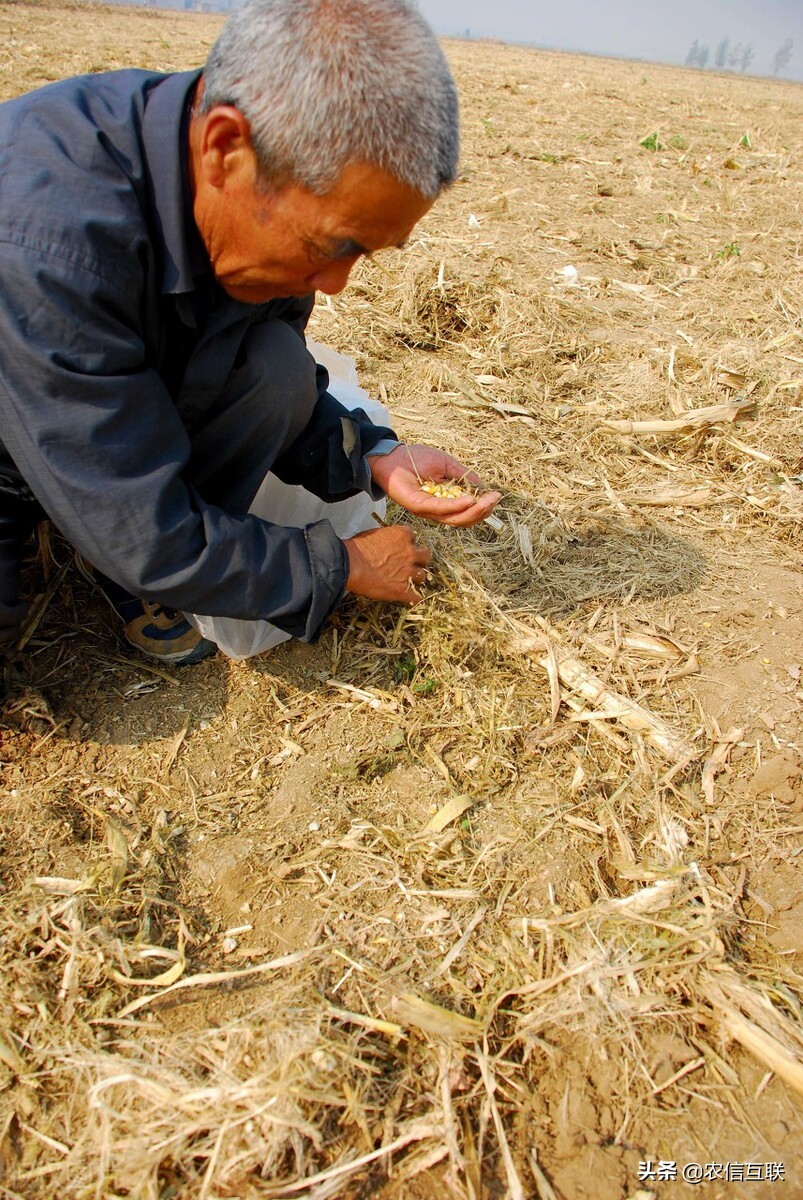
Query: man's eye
[[313, 251]]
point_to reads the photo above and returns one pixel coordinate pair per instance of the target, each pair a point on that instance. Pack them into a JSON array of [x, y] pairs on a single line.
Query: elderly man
[[161, 241]]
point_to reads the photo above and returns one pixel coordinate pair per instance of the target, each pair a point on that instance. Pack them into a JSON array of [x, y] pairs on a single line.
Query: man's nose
[[332, 278]]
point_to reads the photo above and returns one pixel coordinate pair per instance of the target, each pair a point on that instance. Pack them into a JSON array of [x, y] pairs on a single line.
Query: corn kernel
[[444, 491]]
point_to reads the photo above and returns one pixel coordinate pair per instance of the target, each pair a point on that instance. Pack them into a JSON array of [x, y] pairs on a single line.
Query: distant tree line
[[727, 56]]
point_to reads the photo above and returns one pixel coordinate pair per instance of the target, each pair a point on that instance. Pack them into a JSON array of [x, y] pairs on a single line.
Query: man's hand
[[386, 564], [401, 473]]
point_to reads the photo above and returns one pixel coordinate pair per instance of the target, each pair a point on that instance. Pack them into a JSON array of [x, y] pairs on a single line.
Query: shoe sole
[[185, 658]]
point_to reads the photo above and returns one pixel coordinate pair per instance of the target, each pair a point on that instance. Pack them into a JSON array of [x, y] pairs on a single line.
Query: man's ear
[[226, 153]]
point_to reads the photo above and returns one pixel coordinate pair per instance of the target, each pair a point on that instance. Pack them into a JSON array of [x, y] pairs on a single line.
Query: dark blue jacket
[[114, 337]]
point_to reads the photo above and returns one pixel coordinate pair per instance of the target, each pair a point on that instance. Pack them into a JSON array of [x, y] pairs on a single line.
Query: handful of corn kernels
[[449, 490]]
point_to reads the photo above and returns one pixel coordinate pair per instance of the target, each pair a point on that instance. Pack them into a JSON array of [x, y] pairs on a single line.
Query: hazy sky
[[631, 28]]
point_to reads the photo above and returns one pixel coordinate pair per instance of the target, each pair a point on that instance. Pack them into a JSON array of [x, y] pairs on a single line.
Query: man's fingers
[[439, 508], [477, 511], [387, 564], [414, 594], [418, 578], [461, 511]]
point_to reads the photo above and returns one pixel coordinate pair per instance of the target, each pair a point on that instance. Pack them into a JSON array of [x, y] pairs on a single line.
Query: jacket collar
[[164, 134]]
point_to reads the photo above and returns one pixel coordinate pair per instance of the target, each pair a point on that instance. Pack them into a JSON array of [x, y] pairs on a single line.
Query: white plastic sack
[[291, 505]]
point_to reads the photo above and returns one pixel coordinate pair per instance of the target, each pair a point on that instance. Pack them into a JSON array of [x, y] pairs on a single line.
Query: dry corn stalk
[[210, 978], [719, 761], [679, 498], [626, 712], [766, 1032], [515, 1189], [605, 704], [764, 1047], [696, 418], [655, 898], [562, 667], [642, 645], [433, 1018]]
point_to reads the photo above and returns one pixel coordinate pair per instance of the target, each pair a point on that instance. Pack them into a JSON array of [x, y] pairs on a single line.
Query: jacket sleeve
[[328, 457], [94, 432]]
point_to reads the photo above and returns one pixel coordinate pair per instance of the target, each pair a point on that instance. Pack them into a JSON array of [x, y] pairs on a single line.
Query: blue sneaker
[[154, 629]]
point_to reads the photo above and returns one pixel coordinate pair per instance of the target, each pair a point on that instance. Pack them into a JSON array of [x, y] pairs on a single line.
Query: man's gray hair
[[324, 83]]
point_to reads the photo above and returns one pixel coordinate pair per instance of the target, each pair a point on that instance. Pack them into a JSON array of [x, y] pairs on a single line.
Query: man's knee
[[274, 375], [266, 403]]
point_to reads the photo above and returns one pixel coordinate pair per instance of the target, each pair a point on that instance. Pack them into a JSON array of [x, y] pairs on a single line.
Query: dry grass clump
[[254, 1101], [430, 311], [626, 961]]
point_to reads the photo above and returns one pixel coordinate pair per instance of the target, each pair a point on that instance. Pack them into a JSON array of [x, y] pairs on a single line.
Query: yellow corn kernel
[[444, 491]]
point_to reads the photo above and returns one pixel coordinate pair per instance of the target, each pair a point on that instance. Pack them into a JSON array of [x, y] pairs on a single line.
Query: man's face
[[290, 242]]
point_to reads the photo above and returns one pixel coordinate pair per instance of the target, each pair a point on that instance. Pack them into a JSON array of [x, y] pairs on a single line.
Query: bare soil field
[[501, 896]]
